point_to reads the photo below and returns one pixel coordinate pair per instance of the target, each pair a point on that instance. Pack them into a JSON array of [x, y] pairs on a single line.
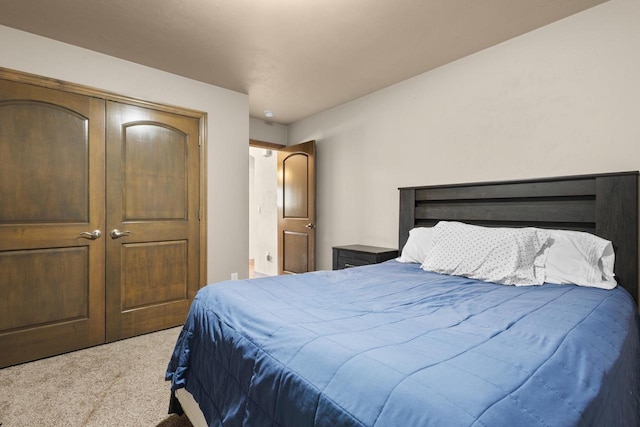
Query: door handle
[[95, 234], [115, 233], [310, 226]]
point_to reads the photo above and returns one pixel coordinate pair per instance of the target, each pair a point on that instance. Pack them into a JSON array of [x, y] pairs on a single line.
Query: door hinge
[[200, 140]]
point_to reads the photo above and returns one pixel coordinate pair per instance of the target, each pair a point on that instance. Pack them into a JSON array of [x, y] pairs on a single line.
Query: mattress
[[390, 344]]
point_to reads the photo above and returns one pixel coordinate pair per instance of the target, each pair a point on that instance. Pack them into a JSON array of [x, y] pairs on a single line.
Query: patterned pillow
[[510, 256]]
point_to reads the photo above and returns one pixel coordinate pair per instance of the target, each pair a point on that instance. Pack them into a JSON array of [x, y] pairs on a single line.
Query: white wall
[[263, 130], [228, 128], [562, 100]]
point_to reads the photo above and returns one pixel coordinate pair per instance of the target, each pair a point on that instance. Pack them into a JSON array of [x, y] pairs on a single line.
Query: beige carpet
[[117, 384]]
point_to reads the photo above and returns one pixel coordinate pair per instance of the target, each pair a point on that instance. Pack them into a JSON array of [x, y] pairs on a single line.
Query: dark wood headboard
[[602, 204]]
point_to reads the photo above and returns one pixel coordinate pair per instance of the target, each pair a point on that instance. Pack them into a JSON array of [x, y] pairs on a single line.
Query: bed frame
[[602, 204]]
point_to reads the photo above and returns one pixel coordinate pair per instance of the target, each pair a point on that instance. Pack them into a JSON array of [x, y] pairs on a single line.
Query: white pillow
[[580, 258], [417, 246], [510, 256]]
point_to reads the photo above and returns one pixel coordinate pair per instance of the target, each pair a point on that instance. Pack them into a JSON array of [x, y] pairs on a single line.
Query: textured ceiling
[[295, 57]]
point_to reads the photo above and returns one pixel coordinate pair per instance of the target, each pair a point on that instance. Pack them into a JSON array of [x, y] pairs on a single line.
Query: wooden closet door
[[152, 236], [51, 200]]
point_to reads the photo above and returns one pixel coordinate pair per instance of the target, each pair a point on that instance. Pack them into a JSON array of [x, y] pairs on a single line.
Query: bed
[[394, 344]]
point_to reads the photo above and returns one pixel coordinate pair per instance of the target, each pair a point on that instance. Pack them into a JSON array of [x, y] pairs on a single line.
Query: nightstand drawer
[[348, 262], [357, 255]]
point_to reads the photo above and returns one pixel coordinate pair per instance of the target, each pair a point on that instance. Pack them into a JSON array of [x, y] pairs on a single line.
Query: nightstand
[[356, 255]]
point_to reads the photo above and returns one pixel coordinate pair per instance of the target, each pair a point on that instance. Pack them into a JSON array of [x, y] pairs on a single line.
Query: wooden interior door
[[152, 237], [296, 208], [51, 222]]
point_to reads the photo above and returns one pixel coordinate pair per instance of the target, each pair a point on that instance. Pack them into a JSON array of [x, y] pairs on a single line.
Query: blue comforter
[[392, 345]]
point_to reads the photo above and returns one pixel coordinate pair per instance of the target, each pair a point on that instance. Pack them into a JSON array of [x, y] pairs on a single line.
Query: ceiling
[[293, 57]]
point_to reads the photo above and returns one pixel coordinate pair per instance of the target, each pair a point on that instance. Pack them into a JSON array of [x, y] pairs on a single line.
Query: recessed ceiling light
[[269, 114]]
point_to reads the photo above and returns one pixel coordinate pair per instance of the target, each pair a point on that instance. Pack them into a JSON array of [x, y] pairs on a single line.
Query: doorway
[[263, 208], [281, 208]]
